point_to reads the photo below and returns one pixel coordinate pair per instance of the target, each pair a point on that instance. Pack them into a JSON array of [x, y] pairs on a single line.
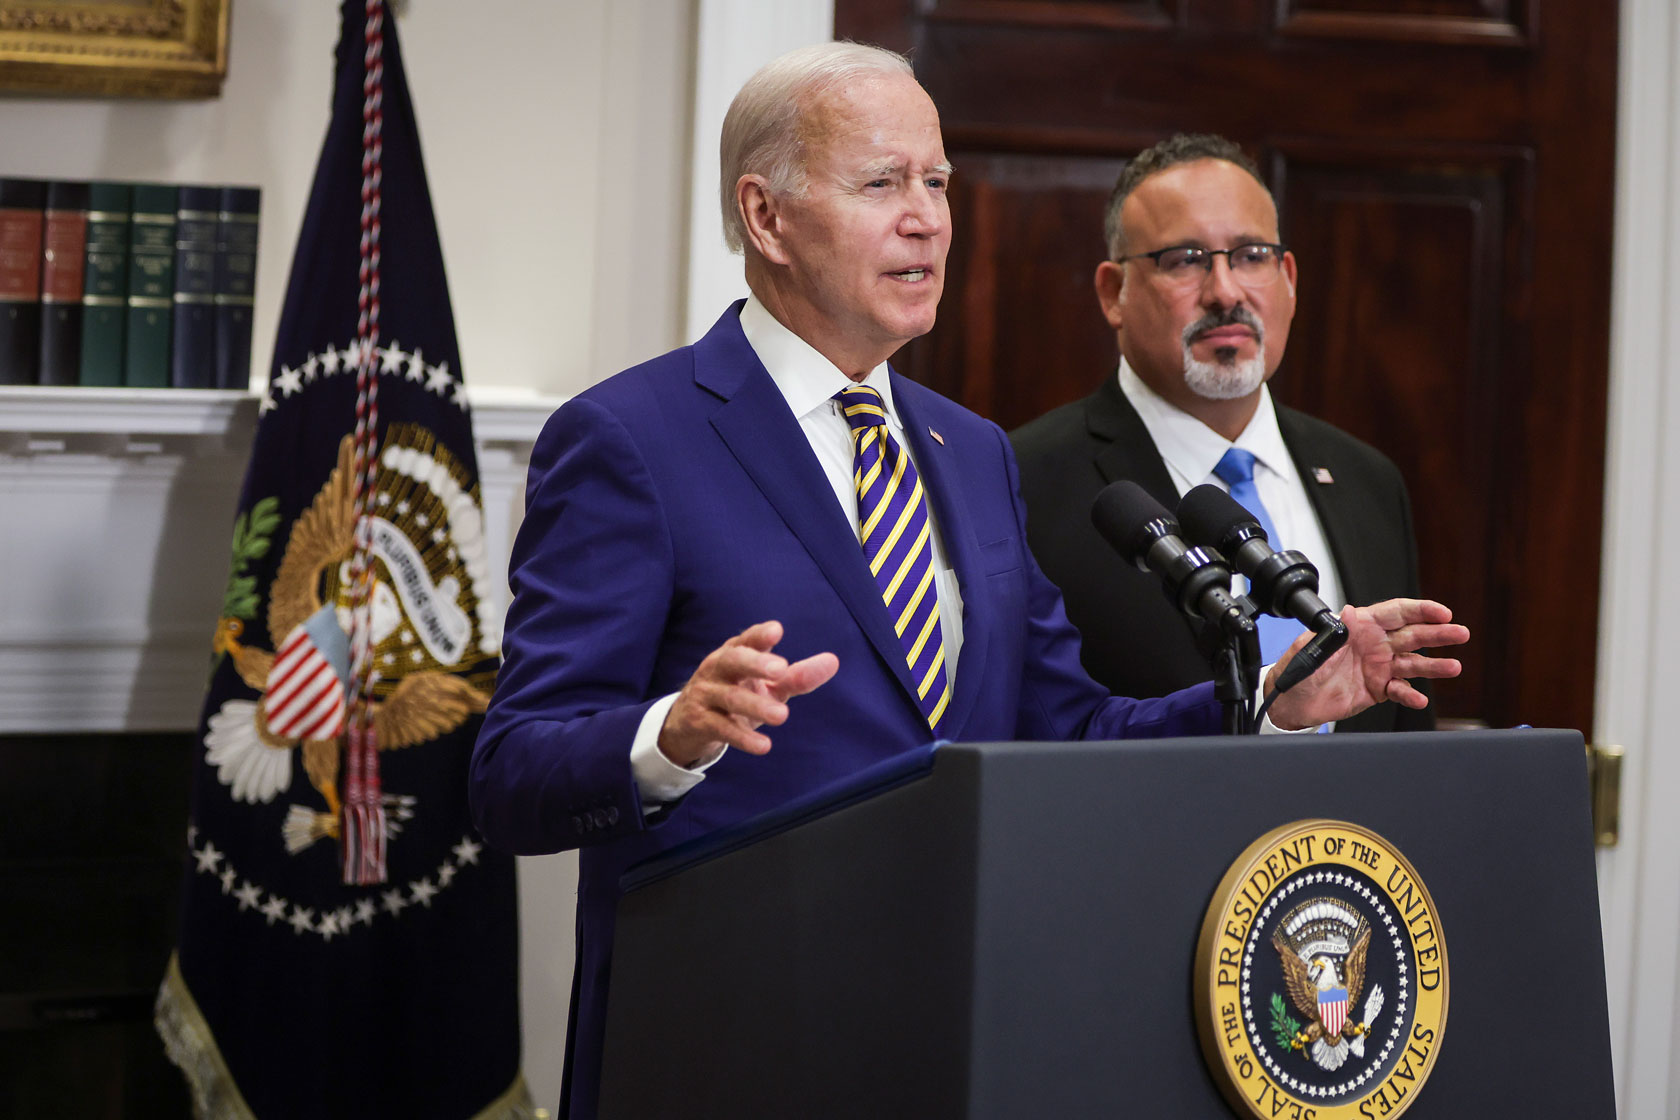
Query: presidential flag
[[348, 945]]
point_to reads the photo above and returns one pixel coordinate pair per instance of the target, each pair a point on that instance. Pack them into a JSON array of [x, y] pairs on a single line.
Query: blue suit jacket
[[676, 504]]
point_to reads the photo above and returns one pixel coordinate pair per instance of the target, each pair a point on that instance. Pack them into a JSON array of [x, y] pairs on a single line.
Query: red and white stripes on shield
[[304, 698], [362, 825]]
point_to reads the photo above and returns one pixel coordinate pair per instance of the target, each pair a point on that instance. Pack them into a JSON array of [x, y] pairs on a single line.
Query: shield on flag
[[305, 688]]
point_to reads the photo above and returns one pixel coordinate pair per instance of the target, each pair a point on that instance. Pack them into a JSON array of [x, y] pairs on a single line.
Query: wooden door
[[1444, 173]]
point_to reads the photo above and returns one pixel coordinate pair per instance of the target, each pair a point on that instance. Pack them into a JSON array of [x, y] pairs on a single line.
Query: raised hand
[[1376, 664], [739, 687]]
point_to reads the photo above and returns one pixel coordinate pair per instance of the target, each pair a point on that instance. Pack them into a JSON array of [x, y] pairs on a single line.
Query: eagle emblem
[[434, 639], [1323, 944], [1321, 988]]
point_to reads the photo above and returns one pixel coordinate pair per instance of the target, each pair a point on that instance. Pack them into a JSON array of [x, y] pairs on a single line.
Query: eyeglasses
[[1254, 263]]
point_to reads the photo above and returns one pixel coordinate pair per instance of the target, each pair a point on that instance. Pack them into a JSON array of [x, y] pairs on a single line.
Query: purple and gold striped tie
[[893, 518]]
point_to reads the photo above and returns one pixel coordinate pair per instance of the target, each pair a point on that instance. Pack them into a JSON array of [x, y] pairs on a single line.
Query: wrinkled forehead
[[871, 114]]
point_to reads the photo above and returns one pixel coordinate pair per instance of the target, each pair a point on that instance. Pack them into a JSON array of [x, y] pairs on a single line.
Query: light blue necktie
[[1236, 470]]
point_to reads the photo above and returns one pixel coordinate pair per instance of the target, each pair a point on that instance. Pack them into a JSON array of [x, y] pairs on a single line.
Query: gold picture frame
[[119, 48]]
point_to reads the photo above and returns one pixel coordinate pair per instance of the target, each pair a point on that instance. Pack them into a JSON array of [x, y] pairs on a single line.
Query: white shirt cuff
[[1267, 727], [658, 779]]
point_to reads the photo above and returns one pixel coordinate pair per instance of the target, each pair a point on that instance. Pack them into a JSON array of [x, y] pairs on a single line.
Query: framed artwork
[[117, 48]]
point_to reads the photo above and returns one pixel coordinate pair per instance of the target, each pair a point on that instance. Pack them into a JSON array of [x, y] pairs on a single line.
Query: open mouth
[[910, 275]]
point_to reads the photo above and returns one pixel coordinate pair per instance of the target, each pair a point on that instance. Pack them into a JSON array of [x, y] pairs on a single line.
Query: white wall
[[556, 144], [733, 38]]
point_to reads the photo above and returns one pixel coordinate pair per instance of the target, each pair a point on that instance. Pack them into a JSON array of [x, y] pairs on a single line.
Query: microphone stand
[[1197, 581], [1230, 638], [1236, 666]]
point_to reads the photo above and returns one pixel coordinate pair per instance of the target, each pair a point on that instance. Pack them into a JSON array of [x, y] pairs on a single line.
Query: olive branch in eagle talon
[[1284, 1025], [254, 760], [251, 533]]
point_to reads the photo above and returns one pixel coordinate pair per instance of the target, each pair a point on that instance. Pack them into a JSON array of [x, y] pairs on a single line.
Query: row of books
[[138, 284]]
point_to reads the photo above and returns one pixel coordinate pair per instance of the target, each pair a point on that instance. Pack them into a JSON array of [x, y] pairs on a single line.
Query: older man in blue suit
[[773, 528]]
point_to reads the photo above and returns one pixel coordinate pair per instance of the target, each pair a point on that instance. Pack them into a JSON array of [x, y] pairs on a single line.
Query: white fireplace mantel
[[116, 507]]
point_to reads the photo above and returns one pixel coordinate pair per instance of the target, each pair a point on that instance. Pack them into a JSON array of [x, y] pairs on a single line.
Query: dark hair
[[1185, 147]]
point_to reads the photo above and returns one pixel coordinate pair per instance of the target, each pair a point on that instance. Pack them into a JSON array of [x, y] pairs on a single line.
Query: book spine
[[151, 286], [21, 218], [63, 259], [192, 356], [105, 283], [236, 284]]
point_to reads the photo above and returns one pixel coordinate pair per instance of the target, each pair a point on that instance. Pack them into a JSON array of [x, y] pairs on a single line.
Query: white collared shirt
[[808, 382], [1191, 450]]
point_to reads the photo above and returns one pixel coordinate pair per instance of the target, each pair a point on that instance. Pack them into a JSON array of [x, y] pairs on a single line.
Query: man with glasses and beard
[[1200, 294]]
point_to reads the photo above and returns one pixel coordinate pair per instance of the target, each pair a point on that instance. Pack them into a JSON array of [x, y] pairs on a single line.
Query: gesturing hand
[[1380, 654], [740, 686]]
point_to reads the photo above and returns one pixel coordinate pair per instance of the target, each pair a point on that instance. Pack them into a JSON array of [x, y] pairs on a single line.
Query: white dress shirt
[[808, 381], [1191, 450]]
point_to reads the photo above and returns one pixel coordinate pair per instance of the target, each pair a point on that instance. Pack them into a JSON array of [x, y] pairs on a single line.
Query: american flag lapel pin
[[1321, 475], [937, 436]]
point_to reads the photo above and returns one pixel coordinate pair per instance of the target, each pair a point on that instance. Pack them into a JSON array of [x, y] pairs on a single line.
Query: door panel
[[1395, 241], [1480, 22]]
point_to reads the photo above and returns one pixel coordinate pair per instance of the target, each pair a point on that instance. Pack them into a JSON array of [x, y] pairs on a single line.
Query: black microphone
[[1198, 581], [1280, 583]]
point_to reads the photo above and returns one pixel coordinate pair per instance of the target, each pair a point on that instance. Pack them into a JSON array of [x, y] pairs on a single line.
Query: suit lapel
[[755, 424], [1122, 445], [1123, 448], [1332, 504], [944, 491]]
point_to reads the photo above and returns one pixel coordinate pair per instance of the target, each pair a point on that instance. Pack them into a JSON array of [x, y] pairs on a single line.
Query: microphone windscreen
[[1122, 514], [1209, 513]]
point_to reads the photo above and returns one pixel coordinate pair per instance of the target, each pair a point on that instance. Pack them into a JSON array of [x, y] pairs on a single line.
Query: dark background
[[92, 839]]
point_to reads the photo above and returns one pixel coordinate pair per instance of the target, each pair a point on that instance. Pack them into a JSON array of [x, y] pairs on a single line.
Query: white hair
[[761, 131]]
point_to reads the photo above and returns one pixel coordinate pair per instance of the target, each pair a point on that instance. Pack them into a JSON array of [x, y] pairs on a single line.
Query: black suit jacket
[[1136, 643]]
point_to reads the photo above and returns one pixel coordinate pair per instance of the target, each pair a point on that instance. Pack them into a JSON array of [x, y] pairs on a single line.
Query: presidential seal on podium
[[1321, 976]]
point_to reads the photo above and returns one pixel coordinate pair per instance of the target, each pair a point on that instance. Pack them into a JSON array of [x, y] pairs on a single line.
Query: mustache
[[1230, 317]]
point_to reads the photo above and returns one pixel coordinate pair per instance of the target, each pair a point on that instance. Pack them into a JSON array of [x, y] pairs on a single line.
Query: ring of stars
[[391, 361], [276, 909]]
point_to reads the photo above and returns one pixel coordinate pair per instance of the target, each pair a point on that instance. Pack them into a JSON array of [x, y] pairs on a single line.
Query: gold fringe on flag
[[188, 1042]]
